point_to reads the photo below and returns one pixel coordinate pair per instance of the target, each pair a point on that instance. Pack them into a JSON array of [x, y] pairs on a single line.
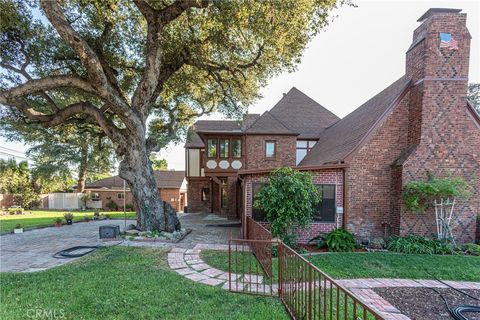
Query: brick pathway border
[[187, 262]]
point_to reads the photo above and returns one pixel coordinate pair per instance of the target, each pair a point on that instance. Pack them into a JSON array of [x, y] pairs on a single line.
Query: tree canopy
[[15, 179], [114, 64]]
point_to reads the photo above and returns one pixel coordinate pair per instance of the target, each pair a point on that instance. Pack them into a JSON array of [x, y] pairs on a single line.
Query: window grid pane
[[269, 149], [236, 148], [223, 148], [212, 148]]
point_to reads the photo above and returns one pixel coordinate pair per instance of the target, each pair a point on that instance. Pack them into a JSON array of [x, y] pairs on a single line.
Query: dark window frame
[[120, 196], [227, 149], [257, 214], [308, 148], [231, 146], [216, 148], [317, 215], [273, 157]]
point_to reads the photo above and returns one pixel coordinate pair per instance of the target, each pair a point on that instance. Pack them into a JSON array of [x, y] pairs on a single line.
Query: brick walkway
[[187, 262]]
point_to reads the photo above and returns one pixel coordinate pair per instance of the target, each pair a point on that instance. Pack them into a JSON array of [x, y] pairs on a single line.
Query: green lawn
[[41, 218], [380, 265], [126, 283]]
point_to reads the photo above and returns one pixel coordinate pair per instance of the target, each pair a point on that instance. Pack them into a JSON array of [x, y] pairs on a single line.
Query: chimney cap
[[432, 11]]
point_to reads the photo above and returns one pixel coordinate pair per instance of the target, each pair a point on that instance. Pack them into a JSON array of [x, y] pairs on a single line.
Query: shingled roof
[[268, 124], [342, 138], [303, 115], [165, 179], [194, 140]]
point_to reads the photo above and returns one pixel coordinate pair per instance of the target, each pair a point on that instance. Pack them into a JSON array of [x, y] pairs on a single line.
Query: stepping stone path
[[188, 263]]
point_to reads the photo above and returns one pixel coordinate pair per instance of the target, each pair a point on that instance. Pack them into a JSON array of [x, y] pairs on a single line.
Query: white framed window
[[120, 195], [95, 196]]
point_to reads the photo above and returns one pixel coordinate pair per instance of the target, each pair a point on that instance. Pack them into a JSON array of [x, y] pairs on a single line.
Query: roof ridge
[[316, 102]]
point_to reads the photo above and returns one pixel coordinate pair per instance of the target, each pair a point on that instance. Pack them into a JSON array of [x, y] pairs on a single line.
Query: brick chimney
[[437, 63]]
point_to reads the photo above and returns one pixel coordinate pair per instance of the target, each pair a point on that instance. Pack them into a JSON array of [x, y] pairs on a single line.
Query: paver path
[[33, 250], [188, 263]]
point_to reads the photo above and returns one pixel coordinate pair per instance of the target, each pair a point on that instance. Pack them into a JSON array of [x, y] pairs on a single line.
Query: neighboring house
[[421, 123], [171, 185]]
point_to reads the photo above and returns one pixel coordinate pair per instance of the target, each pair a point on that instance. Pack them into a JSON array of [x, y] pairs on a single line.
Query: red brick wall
[[369, 177], [194, 191], [6, 200], [329, 176], [255, 151], [449, 142]]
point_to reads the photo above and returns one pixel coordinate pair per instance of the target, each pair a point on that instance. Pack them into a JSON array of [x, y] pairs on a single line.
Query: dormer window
[[304, 147], [212, 148]]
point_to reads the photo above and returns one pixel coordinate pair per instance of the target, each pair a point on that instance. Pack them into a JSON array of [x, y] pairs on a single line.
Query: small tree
[[439, 193], [288, 199]]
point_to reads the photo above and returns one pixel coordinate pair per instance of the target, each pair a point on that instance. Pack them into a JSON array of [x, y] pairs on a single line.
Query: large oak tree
[[142, 71]]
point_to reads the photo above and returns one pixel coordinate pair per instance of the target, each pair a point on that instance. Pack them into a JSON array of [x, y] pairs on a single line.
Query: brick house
[[171, 185], [420, 123]]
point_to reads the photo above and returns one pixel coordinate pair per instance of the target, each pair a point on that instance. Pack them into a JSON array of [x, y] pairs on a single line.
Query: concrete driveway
[[33, 250]]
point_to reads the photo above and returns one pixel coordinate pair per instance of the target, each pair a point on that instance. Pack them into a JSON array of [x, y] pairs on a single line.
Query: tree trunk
[[137, 171], [82, 170]]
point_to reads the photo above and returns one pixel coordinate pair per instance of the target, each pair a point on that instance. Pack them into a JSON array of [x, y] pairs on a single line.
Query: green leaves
[[340, 240], [418, 195], [289, 200]]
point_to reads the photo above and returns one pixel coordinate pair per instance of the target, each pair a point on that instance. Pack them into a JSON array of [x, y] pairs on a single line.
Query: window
[[120, 195], [95, 196], [224, 198], [304, 147], [212, 148], [270, 149], [224, 148], [257, 213], [325, 209], [205, 194], [236, 148]]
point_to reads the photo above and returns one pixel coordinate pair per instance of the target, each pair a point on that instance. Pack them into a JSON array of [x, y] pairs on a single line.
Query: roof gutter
[[305, 168]]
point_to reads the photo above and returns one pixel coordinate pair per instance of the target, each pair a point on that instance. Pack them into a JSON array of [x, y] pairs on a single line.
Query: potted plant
[[96, 214], [18, 229], [58, 222], [69, 218]]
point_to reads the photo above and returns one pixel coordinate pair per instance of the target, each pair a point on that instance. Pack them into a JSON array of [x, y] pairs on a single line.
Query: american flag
[[447, 41]]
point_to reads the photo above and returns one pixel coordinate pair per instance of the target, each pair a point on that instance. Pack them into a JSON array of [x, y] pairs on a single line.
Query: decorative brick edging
[[362, 288], [187, 262]]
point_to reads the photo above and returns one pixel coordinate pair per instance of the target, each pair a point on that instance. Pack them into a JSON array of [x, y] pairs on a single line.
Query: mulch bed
[[426, 304]]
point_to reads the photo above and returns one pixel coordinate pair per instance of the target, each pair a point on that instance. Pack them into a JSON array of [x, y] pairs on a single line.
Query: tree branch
[[87, 56], [155, 74]]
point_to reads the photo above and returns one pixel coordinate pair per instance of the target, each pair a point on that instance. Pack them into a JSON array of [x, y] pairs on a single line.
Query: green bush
[[413, 244], [112, 205], [340, 240], [15, 210], [129, 207], [472, 248]]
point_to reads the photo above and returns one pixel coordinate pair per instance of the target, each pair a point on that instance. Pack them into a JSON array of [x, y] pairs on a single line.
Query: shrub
[[340, 240], [472, 248], [15, 210], [413, 244], [129, 207], [112, 205], [58, 220], [68, 216], [289, 200]]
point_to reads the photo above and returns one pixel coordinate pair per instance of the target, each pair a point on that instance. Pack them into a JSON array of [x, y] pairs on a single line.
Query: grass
[[43, 218], [125, 283], [380, 265]]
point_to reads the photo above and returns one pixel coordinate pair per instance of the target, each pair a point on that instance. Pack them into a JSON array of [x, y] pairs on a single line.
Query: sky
[[360, 53]]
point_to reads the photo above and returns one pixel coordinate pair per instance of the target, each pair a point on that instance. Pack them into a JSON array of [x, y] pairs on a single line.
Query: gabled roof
[[303, 115], [165, 179], [268, 124], [193, 139], [341, 139]]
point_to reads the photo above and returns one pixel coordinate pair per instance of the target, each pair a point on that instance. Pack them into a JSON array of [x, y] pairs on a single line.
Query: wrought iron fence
[[262, 266], [309, 293]]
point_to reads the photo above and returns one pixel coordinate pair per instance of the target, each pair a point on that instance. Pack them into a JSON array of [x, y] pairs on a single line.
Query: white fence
[[63, 201]]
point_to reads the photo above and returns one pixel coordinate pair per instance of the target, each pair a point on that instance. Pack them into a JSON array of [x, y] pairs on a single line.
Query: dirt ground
[[426, 304]]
